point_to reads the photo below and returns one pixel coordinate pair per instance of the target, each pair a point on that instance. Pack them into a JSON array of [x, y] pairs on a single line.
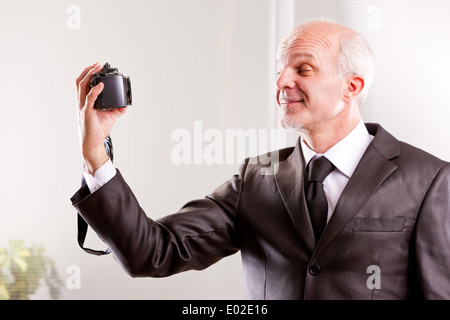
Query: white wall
[[197, 60]]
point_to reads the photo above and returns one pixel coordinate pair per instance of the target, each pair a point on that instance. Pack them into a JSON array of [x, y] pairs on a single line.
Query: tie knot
[[319, 169]]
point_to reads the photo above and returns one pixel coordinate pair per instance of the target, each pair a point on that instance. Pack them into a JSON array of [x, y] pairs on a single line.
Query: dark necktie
[[317, 170]]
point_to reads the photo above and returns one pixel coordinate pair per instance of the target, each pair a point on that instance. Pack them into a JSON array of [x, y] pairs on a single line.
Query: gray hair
[[356, 57]]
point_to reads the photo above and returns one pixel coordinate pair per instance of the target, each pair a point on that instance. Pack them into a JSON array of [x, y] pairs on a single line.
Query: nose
[[286, 79]]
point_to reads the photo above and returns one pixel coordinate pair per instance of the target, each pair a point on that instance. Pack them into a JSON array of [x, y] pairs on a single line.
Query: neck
[[322, 139]]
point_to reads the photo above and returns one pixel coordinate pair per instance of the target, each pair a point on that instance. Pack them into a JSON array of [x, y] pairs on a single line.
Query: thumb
[[93, 94]]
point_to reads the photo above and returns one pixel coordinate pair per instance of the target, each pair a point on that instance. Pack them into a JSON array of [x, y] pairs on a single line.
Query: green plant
[[22, 269]]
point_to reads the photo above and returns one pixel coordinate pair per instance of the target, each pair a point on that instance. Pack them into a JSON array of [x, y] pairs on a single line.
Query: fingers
[[83, 74], [83, 81], [120, 111]]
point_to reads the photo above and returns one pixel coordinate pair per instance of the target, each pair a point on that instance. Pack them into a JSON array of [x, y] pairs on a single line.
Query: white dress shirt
[[345, 156], [101, 176]]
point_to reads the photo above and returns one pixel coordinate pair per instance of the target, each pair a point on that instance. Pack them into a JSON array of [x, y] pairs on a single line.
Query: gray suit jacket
[[389, 236]]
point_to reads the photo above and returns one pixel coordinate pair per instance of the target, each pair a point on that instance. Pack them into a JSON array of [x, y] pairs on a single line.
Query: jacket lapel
[[370, 173], [289, 180], [375, 166]]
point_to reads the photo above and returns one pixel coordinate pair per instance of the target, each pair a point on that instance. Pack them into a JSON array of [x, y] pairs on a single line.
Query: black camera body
[[116, 91]]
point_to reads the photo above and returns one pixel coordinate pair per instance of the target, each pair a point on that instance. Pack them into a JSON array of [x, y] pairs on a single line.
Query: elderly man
[[350, 212]]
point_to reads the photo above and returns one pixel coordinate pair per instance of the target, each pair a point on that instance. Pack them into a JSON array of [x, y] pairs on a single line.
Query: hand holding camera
[[111, 93]]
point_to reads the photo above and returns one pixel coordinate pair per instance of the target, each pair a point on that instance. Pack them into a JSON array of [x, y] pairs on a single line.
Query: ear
[[355, 84]]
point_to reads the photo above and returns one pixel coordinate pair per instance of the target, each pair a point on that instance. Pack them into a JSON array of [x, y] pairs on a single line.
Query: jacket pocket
[[379, 224]]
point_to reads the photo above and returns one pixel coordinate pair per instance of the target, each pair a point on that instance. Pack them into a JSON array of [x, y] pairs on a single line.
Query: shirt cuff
[[101, 176]]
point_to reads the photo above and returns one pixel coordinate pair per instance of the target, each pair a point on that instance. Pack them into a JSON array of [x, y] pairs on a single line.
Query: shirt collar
[[346, 154]]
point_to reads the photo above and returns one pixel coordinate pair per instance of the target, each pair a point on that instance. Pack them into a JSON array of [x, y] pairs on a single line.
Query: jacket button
[[314, 269]]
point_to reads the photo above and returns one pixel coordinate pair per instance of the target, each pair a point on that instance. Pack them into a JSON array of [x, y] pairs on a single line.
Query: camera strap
[[82, 224]]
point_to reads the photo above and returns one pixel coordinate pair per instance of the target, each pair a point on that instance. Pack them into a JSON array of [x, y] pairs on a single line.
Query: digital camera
[[116, 91]]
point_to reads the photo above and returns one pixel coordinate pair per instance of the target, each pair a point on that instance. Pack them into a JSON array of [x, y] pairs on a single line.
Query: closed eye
[[303, 69]]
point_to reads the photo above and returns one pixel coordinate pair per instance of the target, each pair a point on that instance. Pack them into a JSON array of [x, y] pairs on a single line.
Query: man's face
[[308, 91]]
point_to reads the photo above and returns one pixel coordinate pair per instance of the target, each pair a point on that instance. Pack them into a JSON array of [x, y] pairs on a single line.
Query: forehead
[[313, 46]]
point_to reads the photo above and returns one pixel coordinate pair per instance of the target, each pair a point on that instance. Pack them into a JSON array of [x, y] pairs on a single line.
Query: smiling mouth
[[289, 100]]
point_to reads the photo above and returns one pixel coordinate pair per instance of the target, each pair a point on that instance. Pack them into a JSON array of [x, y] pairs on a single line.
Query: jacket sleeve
[[198, 235], [432, 240]]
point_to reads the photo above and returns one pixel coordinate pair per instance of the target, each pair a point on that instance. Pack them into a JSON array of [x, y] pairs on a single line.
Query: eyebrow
[[296, 55]]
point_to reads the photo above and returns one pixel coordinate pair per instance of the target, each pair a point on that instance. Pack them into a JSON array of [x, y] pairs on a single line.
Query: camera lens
[[128, 85]]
